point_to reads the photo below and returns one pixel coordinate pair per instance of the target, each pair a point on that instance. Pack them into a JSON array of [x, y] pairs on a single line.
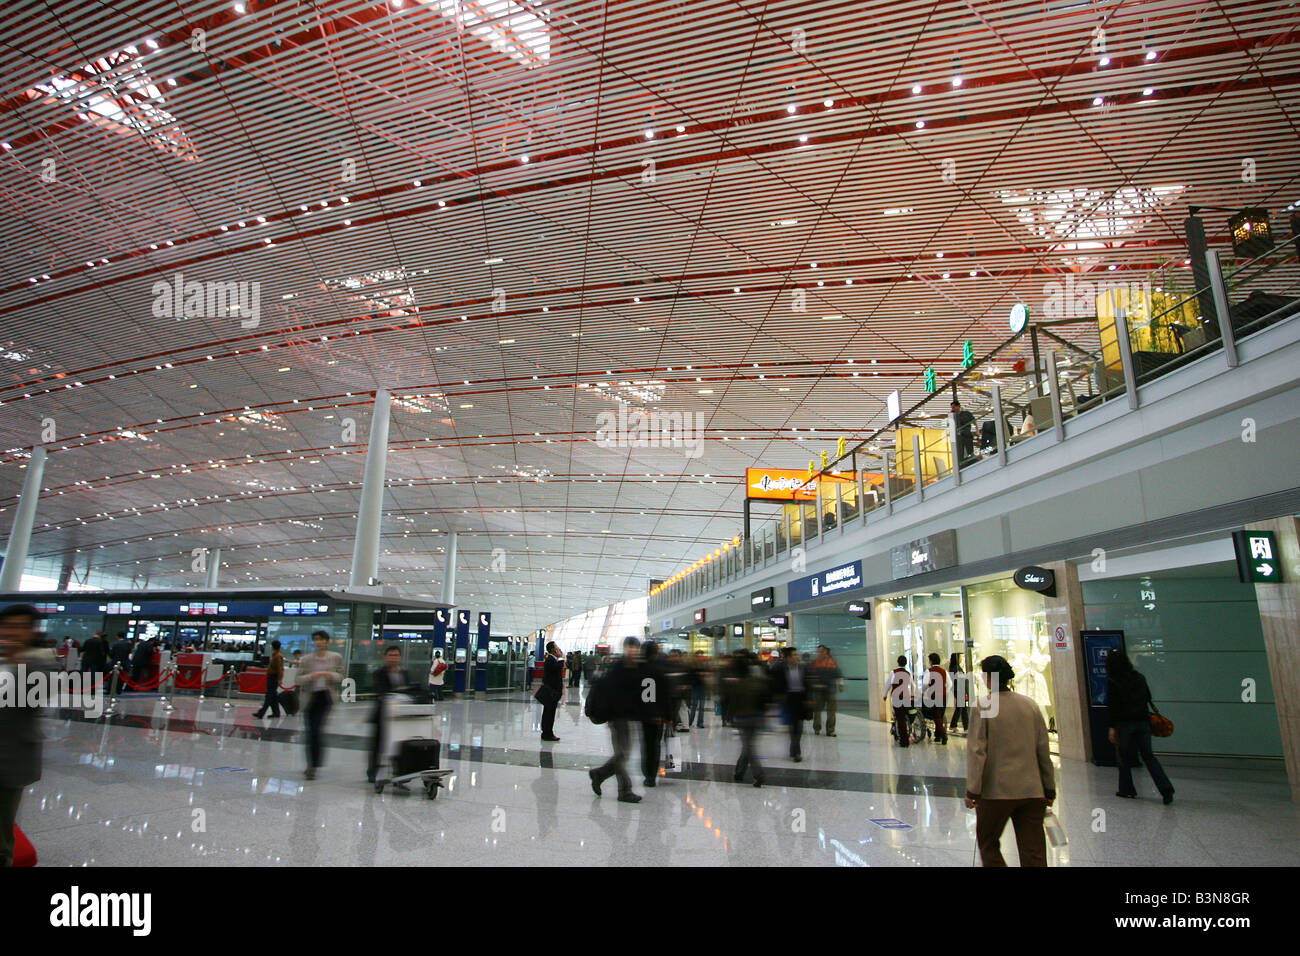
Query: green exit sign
[[968, 354], [930, 385], [1257, 559]]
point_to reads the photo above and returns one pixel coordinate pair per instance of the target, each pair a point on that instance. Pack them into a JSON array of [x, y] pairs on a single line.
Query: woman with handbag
[[1128, 698]]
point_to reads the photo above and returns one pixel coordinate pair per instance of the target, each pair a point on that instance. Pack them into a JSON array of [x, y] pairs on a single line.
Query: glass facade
[[974, 621]]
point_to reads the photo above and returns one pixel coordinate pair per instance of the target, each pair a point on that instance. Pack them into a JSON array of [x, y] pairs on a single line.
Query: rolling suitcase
[[289, 702], [414, 755], [415, 758]]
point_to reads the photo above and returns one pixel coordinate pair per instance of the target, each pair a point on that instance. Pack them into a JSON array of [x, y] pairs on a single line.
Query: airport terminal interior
[[569, 433]]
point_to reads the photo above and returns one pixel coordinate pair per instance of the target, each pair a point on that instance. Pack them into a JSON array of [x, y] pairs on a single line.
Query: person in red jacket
[[934, 698]]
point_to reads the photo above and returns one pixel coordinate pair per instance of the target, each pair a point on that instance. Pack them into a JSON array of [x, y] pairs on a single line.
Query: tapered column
[[370, 513], [20, 536], [214, 567], [1279, 619], [449, 574]]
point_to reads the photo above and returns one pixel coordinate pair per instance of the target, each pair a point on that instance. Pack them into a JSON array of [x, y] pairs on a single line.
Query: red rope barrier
[[147, 686]]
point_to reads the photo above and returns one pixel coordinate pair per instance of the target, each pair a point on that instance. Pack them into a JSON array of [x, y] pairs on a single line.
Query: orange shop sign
[[779, 484]]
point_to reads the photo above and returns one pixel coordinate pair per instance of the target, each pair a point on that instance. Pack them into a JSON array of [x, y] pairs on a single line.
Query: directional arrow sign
[[1257, 557]]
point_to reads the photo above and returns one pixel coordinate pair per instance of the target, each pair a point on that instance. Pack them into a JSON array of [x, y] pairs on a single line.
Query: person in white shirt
[[899, 694], [437, 674], [318, 673]]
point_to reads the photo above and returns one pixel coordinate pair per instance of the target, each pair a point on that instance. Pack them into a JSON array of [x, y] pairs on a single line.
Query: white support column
[[449, 573], [214, 567], [20, 536], [370, 513]]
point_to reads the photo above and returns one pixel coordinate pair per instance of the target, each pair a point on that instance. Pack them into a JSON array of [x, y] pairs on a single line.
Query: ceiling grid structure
[[517, 216]]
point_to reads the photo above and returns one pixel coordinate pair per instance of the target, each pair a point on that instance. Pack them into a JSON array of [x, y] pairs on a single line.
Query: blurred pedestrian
[[1009, 773], [790, 680], [388, 679], [657, 713], [622, 691], [697, 676], [274, 672], [747, 690], [827, 681], [318, 674]]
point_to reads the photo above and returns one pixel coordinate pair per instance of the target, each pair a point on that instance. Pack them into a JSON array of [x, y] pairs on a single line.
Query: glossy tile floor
[[210, 785]]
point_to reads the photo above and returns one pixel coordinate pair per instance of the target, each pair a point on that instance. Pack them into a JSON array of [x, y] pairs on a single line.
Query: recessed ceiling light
[[920, 124], [916, 90], [1151, 54], [956, 81], [284, 369]]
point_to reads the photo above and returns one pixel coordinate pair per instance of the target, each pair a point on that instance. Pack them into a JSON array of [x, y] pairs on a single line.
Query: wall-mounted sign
[[737, 630], [780, 620], [1019, 317], [668, 626], [762, 599], [699, 616], [779, 484], [1038, 579], [845, 577], [1257, 558], [1061, 638], [894, 406], [860, 609], [931, 553]]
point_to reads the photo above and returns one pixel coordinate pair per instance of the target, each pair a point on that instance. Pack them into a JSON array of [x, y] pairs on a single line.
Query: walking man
[[274, 671]]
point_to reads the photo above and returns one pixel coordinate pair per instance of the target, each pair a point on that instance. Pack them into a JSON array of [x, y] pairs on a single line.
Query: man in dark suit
[[552, 678], [389, 679], [790, 680], [120, 656], [94, 656], [655, 685]]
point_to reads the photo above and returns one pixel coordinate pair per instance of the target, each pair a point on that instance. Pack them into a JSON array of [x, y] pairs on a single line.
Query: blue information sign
[[844, 577]]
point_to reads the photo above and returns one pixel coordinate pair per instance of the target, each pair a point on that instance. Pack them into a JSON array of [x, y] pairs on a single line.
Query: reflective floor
[[211, 785]]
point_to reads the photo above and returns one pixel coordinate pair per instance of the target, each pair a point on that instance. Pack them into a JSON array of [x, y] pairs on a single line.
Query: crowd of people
[[662, 695], [656, 695]]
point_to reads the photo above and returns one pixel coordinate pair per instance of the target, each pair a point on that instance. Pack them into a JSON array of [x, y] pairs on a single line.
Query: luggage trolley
[[414, 758]]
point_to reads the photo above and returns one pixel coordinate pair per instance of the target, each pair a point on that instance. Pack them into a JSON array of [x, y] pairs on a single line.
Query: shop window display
[[1007, 620]]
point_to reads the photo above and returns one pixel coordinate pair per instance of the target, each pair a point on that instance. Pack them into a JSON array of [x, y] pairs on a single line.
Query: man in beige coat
[[1009, 773]]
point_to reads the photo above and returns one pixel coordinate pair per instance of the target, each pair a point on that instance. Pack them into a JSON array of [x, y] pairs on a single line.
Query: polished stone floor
[[206, 784]]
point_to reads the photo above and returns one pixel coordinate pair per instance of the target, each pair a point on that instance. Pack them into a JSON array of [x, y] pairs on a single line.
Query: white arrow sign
[[1264, 569]]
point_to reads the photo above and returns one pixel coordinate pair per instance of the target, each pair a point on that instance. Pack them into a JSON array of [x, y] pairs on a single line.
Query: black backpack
[[599, 706]]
